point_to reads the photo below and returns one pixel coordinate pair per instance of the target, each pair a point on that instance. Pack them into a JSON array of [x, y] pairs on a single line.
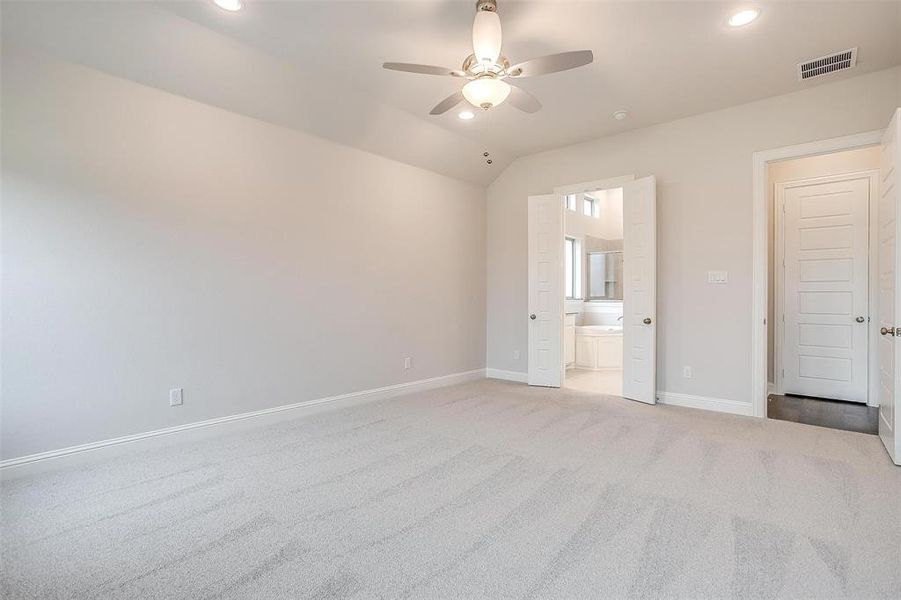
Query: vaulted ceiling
[[316, 66]]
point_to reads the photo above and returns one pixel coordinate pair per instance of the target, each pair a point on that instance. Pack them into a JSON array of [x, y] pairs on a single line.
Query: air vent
[[824, 65]]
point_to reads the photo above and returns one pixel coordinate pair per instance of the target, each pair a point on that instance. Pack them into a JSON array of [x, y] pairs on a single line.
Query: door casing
[[759, 221]]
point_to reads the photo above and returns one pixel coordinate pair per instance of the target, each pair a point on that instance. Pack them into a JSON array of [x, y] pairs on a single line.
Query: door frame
[[872, 274], [560, 191], [610, 183], [759, 267]]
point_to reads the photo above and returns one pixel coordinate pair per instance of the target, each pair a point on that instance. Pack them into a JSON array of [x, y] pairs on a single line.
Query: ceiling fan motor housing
[[489, 5]]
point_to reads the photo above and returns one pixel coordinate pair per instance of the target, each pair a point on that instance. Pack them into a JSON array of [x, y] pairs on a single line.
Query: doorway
[[551, 330], [823, 292], [593, 291], [883, 331]]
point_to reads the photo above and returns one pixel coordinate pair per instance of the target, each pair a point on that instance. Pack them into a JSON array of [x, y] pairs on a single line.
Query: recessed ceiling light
[[743, 17], [620, 115], [231, 5], [466, 115]]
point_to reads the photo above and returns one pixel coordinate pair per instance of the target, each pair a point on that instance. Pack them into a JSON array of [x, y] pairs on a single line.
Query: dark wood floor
[[835, 414]]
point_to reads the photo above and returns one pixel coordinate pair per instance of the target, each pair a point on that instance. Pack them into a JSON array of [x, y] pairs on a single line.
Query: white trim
[[778, 285], [507, 375], [706, 403], [872, 176], [873, 308], [759, 161], [361, 396], [593, 186]]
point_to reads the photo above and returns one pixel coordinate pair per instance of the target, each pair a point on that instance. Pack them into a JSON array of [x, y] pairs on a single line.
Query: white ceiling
[[658, 60]]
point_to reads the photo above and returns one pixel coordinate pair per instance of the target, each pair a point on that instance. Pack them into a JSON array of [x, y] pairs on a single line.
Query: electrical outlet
[[516, 355], [176, 397], [408, 363], [686, 372]]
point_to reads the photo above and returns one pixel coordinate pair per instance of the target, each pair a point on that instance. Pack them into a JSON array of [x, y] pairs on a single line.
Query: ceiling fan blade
[[523, 100], [551, 64], [447, 104], [423, 69]]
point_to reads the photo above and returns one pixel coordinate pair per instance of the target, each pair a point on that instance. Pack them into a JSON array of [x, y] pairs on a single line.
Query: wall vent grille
[[839, 61]]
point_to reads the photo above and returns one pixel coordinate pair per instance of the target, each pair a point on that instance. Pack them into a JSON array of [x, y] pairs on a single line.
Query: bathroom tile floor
[[600, 382]]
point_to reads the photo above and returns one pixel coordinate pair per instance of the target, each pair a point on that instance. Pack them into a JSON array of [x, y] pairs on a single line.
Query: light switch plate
[[176, 397], [717, 276]]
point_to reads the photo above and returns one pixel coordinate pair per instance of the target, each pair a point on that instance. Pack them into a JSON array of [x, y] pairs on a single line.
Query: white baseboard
[[507, 375], [277, 413], [717, 404]]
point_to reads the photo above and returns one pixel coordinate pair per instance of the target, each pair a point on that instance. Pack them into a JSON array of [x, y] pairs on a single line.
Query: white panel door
[[545, 290], [826, 287], [640, 290], [889, 363]]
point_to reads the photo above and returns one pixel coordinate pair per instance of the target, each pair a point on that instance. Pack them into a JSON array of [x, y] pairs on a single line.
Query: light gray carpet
[[484, 490]]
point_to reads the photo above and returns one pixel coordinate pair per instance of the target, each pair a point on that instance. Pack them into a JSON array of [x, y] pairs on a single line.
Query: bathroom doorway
[[625, 264], [593, 291]]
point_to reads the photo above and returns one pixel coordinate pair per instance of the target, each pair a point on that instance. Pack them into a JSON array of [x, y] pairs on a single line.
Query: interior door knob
[[646, 320], [532, 316], [887, 330], [859, 319]]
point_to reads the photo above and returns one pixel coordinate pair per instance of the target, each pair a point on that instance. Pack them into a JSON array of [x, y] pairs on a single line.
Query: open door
[[640, 290], [545, 290], [889, 294]]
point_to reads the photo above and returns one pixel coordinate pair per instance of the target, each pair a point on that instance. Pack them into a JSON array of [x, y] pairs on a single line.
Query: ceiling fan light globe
[[486, 37], [486, 92]]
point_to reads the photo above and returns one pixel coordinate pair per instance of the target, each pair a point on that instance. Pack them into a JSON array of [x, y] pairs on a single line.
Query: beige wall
[[152, 242], [703, 166], [792, 170], [577, 224], [611, 212]]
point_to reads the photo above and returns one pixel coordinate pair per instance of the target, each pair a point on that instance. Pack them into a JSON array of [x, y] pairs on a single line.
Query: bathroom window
[[571, 258], [591, 207], [569, 201]]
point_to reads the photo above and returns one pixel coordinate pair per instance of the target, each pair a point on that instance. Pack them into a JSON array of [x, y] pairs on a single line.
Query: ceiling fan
[[489, 72]]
